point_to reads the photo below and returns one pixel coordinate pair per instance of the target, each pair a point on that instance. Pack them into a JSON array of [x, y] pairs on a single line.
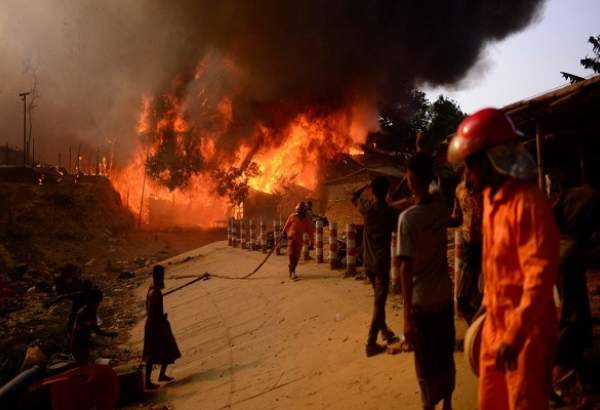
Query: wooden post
[[351, 250], [78, 164], [333, 245], [24, 98], [243, 233], [263, 235], [540, 154], [319, 240]]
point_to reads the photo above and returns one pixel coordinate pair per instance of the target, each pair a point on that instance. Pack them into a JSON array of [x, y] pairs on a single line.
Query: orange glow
[[307, 142], [292, 153]]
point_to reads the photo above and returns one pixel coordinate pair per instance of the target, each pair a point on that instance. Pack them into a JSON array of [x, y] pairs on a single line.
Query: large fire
[[187, 194]]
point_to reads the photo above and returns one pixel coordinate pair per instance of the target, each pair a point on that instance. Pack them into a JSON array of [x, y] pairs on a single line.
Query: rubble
[[59, 235]]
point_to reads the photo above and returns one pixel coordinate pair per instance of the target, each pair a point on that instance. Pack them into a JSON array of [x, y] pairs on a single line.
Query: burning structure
[[231, 95]]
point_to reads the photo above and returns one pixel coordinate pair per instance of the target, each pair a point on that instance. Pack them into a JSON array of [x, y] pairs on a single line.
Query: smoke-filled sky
[[530, 62], [94, 60]]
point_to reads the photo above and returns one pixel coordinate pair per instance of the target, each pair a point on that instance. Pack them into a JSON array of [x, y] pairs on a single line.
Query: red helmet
[[301, 207], [491, 130], [479, 131]]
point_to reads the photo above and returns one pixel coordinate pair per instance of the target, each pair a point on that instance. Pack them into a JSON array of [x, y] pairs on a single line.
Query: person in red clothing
[[295, 227], [520, 263]]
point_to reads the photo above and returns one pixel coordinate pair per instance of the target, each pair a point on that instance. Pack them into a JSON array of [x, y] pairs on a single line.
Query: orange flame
[[291, 154]]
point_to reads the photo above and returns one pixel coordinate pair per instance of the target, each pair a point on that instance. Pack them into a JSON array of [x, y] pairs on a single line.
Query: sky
[[529, 63]]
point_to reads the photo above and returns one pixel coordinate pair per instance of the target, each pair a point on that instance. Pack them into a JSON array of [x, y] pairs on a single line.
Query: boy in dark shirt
[[379, 221]]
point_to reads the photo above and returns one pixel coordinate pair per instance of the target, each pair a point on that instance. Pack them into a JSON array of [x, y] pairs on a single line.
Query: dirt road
[[269, 343]]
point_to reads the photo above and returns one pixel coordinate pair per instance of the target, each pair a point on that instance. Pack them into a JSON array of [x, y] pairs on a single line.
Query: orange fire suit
[[295, 228], [520, 262]]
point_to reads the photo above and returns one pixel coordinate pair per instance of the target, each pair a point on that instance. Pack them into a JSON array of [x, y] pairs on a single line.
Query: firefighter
[[520, 262], [295, 227]]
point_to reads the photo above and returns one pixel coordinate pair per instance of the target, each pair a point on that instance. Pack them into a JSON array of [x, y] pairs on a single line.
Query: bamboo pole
[[540, 154], [77, 164]]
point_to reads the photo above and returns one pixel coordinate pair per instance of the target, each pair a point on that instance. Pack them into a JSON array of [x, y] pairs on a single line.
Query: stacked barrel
[[351, 250], [243, 233], [252, 244], [263, 236], [319, 241], [277, 236], [305, 245], [333, 245]]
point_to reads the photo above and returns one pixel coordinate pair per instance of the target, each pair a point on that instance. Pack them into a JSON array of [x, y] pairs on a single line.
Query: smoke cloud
[[94, 60]]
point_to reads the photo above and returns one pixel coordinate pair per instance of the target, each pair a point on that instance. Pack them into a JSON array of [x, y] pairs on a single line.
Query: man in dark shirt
[[379, 222]]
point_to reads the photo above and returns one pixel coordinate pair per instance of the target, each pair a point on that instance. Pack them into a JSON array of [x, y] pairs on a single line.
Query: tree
[[415, 115], [401, 121], [175, 157], [593, 63], [233, 183], [589, 63], [445, 117]]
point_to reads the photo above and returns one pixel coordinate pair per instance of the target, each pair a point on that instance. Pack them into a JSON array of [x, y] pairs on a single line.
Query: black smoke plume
[[275, 58]]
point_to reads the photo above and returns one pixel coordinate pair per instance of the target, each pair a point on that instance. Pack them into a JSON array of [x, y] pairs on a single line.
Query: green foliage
[[445, 117], [589, 63], [593, 63], [233, 182], [175, 158], [402, 122]]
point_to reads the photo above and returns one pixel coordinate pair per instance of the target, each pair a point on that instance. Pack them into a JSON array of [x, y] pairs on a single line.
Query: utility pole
[[70, 168], [24, 99], [143, 189], [78, 164]]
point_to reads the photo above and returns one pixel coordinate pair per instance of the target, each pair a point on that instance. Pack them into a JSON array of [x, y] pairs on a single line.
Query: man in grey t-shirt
[[422, 237], [426, 285]]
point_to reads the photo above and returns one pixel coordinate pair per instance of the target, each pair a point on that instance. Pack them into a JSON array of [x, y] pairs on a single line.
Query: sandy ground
[[269, 343]]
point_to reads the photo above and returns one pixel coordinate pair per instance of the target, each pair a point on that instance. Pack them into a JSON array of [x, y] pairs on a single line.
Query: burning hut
[[562, 128], [350, 174]]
